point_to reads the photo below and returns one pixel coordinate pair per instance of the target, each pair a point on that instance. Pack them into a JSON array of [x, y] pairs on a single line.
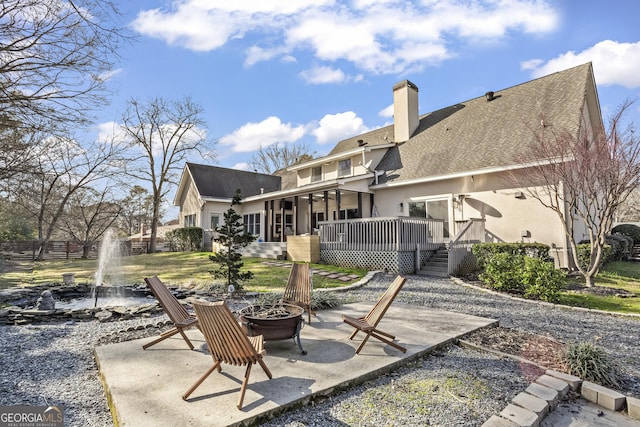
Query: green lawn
[[619, 275], [188, 269], [191, 269]]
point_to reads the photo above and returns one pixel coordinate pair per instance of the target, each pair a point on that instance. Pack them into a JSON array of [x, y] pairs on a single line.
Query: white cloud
[[243, 166], [386, 112], [480, 20], [110, 131], [333, 128], [252, 136], [257, 54], [613, 63], [322, 75], [108, 75], [383, 36]]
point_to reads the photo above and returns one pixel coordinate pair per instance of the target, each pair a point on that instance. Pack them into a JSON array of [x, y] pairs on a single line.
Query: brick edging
[[552, 387]]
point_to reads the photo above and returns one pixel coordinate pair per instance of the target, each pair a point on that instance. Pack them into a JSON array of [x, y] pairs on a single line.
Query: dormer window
[[344, 167], [316, 174]]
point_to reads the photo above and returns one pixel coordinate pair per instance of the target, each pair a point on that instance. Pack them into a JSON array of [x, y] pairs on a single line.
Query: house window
[[190, 220], [348, 214], [316, 174], [252, 223], [344, 167], [215, 221], [432, 209], [418, 209], [317, 217]]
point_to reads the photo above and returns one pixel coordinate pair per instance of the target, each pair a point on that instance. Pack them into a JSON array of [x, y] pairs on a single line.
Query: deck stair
[[437, 265]]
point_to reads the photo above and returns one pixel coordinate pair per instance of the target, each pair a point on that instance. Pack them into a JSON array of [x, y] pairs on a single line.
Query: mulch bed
[[541, 350]]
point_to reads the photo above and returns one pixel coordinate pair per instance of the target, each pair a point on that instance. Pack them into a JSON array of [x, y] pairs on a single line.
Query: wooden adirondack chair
[[227, 343], [298, 289], [174, 309], [369, 323]]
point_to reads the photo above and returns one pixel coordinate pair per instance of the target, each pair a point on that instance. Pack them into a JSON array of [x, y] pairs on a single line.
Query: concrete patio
[[144, 387]]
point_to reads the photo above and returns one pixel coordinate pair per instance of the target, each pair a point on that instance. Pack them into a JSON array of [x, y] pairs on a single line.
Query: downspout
[[568, 260]]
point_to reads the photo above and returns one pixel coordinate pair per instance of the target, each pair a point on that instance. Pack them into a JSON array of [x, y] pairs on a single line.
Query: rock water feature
[[109, 265], [70, 303], [105, 300]]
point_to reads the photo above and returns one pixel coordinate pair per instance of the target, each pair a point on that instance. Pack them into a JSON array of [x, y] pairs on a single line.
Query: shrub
[[483, 251], [502, 272], [629, 230], [188, 239], [621, 247], [592, 363], [584, 254], [523, 275], [319, 300], [541, 280]]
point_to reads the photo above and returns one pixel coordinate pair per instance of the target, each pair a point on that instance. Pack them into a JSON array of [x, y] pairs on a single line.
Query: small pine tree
[[232, 236]]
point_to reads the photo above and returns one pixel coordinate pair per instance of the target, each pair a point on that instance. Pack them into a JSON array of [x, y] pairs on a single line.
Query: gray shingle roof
[[217, 182], [479, 134]]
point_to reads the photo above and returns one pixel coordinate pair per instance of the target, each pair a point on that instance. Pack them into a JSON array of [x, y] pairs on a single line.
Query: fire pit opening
[[273, 322]]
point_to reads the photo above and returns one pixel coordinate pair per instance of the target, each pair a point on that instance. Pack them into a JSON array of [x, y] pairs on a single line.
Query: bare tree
[[584, 179], [14, 225], [137, 209], [62, 168], [55, 57], [17, 148], [88, 215], [278, 156], [630, 209], [163, 134]]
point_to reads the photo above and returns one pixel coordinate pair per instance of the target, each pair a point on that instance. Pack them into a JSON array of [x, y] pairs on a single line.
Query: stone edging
[[528, 407]]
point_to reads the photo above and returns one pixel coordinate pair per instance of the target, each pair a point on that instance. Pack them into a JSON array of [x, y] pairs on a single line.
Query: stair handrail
[[477, 233], [473, 231]]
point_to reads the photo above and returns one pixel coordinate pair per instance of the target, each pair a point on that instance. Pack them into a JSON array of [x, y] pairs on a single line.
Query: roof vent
[[361, 143], [489, 96]]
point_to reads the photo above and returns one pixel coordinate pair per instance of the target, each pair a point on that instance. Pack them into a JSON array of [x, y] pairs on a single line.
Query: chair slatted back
[[380, 308], [226, 340], [174, 309], [298, 287]]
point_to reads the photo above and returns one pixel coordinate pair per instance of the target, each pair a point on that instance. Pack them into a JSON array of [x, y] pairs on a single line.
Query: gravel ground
[[54, 364]]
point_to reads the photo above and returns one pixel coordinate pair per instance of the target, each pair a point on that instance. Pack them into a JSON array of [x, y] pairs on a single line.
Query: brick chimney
[[405, 110]]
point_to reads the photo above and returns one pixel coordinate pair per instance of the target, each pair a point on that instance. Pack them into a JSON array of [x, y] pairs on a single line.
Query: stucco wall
[[508, 214]]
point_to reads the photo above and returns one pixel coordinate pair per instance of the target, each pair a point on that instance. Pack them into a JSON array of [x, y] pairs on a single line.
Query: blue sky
[[318, 71]]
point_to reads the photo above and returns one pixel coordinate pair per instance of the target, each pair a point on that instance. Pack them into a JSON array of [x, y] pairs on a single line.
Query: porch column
[[326, 205], [359, 204], [282, 221], [310, 210], [337, 204], [371, 204], [265, 221], [295, 215], [272, 217]]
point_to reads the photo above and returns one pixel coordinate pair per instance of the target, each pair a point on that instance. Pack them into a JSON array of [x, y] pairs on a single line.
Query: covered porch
[[302, 212]]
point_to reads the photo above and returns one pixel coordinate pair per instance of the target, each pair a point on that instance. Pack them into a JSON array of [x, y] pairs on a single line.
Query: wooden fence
[[55, 250]]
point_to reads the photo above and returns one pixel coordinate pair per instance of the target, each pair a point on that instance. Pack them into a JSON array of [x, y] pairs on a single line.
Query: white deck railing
[[381, 234], [471, 232]]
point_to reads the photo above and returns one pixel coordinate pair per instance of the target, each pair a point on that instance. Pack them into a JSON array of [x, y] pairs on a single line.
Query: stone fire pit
[[273, 322]]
